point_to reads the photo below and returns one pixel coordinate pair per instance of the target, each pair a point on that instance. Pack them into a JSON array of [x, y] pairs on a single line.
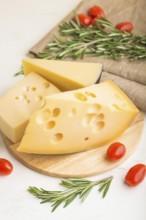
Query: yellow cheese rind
[[18, 104], [79, 120], [66, 75]]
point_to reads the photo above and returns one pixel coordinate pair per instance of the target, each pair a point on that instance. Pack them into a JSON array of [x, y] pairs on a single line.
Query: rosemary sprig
[[74, 187], [20, 72], [76, 41]]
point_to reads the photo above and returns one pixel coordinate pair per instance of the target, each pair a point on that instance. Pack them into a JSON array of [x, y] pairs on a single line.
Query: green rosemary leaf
[[86, 192], [20, 72], [70, 199], [78, 181], [55, 205], [42, 55], [104, 186], [70, 183], [77, 19], [67, 183]]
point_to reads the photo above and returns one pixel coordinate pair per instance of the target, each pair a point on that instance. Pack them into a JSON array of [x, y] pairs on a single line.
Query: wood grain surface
[[83, 164]]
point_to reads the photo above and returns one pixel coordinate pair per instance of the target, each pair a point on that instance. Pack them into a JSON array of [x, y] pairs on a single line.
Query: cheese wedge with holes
[[65, 75], [17, 105], [79, 120]]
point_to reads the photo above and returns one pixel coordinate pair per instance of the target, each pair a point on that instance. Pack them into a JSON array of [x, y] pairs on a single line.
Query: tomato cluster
[[96, 12], [136, 174]]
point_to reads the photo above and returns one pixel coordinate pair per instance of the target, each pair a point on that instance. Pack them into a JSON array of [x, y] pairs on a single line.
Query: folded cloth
[[135, 91]]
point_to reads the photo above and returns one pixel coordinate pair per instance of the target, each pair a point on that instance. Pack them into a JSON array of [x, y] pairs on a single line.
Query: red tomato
[[125, 26], [135, 175], [116, 151], [96, 12], [5, 167], [84, 19]]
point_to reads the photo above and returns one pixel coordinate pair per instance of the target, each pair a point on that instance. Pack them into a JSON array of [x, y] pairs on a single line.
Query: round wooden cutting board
[[83, 164]]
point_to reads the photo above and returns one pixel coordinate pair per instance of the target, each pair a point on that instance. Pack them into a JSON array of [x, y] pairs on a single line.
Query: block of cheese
[[17, 105], [65, 75], [79, 120]]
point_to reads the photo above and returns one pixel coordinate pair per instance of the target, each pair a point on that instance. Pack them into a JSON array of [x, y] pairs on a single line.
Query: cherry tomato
[[116, 151], [135, 175], [84, 19], [5, 167], [125, 26], [96, 12]]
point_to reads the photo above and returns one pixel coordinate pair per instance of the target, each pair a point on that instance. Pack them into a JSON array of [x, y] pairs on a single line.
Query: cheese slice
[[17, 105], [79, 120], [64, 74]]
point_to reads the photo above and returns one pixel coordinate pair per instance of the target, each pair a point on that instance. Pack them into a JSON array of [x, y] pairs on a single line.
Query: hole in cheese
[[43, 116], [33, 89], [80, 96], [17, 97], [72, 112], [100, 116], [28, 101], [46, 85], [86, 138], [51, 124], [98, 126], [94, 108], [56, 112], [89, 119], [39, 97], [57, 137], [91, 94]]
